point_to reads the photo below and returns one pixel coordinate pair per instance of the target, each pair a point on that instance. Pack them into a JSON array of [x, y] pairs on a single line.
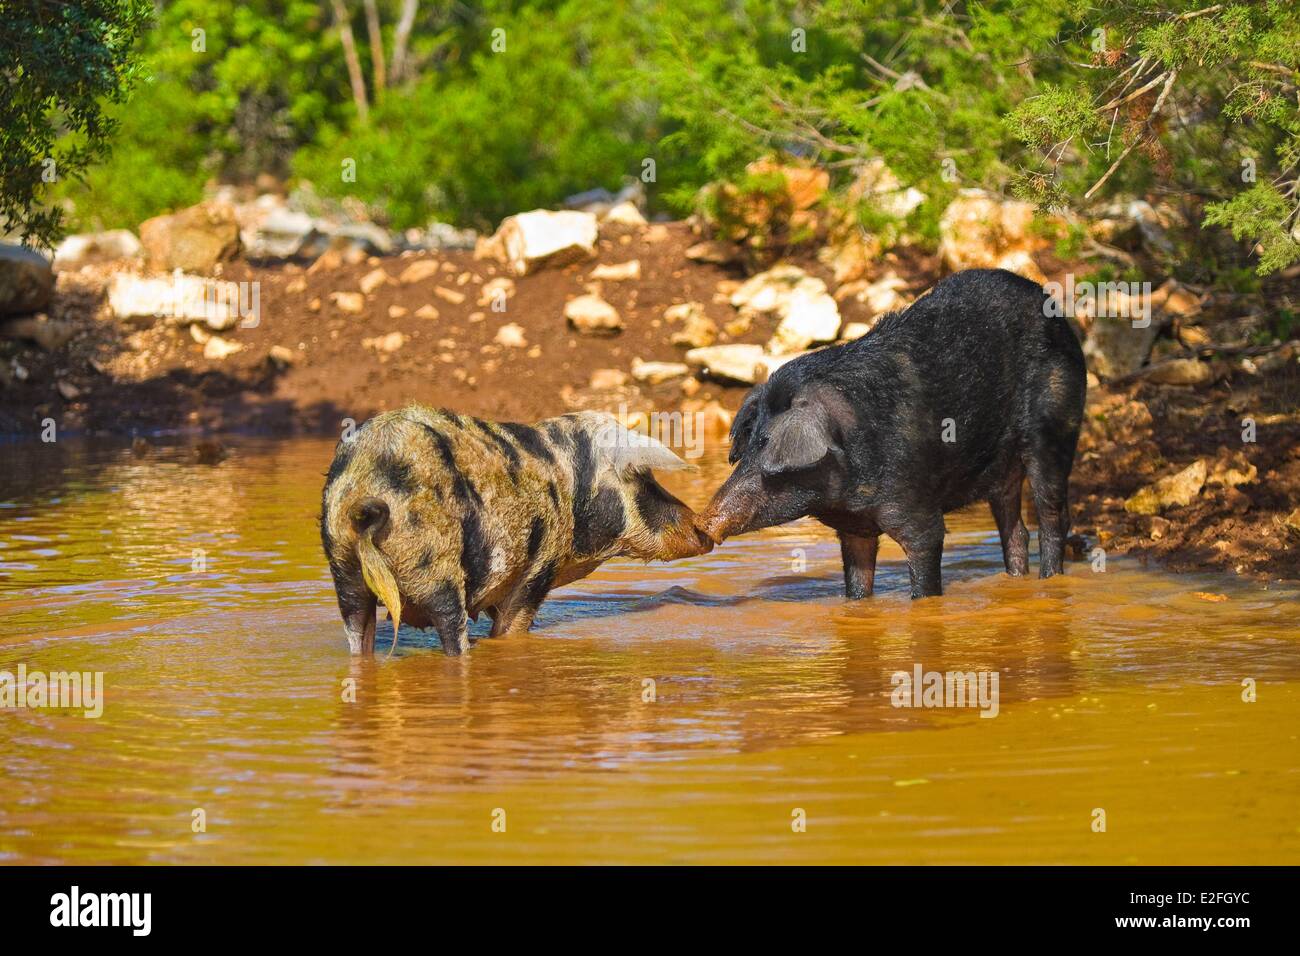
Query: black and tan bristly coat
[[442, 516]]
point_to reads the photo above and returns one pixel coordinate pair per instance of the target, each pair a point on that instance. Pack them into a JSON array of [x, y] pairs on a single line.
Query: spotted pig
[[442, 517]]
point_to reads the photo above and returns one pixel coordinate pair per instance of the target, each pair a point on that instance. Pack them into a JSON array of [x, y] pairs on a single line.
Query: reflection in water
[[658, 713]]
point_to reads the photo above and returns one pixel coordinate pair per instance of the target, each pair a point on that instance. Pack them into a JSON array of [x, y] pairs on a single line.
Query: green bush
[[558, 111], [153, 167], [1197, 102], [920, 87], [62, 61], [233, 101]]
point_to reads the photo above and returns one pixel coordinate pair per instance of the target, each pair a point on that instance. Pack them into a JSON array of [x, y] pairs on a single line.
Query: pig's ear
[[797, 439], [628, 451], [742, 426]]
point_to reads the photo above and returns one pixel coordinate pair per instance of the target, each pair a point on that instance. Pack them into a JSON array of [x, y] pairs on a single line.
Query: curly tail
[[369, 518]]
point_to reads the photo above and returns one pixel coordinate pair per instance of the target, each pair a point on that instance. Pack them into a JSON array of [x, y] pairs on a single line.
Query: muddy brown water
[[730, 708]]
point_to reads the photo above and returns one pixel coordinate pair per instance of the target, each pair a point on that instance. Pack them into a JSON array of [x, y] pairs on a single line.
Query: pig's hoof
[[457, 647]]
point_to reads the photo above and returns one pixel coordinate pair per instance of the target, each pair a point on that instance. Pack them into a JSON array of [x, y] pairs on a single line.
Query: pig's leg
[[1049, 478], [1005, 505], [514, 620], [447, 611], [859, 554], [359, 624], [517, 613], [922, 541]]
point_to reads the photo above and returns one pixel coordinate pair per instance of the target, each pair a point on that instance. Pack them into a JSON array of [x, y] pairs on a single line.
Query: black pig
[[954, 400]]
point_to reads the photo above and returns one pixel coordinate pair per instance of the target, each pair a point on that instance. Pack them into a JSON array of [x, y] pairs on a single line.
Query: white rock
[[768, 364], [530, 240], [735, 362], [901, 204], [600, 201], [854, 330], [281, 233], [281, 356], [511, 336], [372, 280], [810, 317], [80, 250], [418, 271], [877, 181], [980, 231], [697, 331], [216, 348], [385, 343], [500, 289], [590, 314], [883, 295], [1170, 492], [606, 379], [353, 303], [806, 311], [442, 235], [652, 373], [768, 291], [683, 311], [625, 214], [621, 272], [179, 299], [373, 239]]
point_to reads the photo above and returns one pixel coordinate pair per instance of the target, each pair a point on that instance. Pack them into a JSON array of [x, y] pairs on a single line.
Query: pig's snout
[[731, 512], [685, 540], [703, 541], [712, 525]]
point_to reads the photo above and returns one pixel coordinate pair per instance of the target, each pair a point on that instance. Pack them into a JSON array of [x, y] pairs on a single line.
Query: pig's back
[[973, 334], [963, 362]]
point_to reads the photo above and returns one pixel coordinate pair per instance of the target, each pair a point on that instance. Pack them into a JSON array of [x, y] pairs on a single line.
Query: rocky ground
[[1163, 472], [1190, 453]]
